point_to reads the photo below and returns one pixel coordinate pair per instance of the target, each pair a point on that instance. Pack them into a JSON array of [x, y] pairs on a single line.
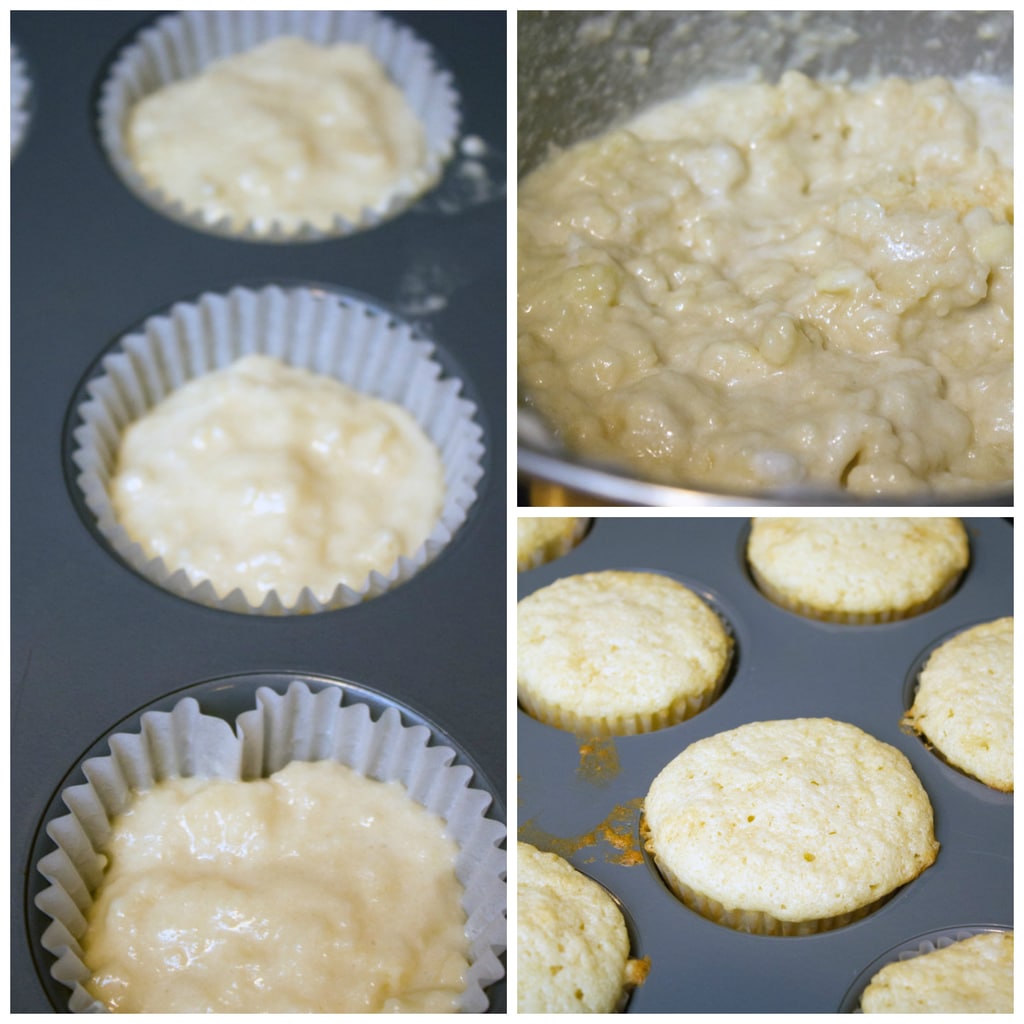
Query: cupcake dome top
[[572, 942], [964, 702], [857, 569], [803, 819], [618, 652], [972, 975], [540, 540]]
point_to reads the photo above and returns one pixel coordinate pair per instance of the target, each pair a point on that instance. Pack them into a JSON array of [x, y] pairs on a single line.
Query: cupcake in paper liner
[[619, 653], [788, 827], [543, 539], [960, 702], [857, 570], [576, 949], [275, 451], [302, 731], [20, 90], [967, 969], [278, 126]]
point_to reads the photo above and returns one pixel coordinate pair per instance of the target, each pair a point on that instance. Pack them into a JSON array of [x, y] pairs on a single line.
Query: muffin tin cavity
[[630, 720], [328, 333], [182, 45], [957, 775], [781, 582], [917, 946], [249, 726], [585, 800]]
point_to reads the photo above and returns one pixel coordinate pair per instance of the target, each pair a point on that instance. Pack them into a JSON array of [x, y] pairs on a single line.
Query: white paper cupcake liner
[[587, 727], [181, 45], [20, 89], [316, 330], [297, 725], [759, 922]]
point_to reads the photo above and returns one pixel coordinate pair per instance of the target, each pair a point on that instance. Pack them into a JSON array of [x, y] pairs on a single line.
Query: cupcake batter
[[287, 133], [267, 477], [760, 286], [316, 890]]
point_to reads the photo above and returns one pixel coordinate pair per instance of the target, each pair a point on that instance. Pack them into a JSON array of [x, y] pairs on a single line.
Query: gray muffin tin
[[92, 643], [785, 666]]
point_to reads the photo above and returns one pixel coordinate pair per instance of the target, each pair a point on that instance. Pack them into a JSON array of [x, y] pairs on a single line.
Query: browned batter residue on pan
[[599, 760], [617, 831]]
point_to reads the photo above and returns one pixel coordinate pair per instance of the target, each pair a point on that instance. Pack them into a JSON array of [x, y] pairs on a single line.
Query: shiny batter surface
[[267, 477], [288, 132], [315, 890]]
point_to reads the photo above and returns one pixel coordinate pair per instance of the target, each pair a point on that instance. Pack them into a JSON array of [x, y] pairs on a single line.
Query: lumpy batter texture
[[288, 133], [760, 286], [267, 477], [316, 890]]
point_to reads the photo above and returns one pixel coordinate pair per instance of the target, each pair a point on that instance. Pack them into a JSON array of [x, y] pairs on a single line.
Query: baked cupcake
[[195, 860], [788, 827], [278, 125], [857, 570], [572, 946], [249, 451], [964, 702], [544, 539], [618, 653], [972, 975]]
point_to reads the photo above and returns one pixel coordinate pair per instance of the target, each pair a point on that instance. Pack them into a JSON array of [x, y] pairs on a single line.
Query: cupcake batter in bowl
[[762, 286]]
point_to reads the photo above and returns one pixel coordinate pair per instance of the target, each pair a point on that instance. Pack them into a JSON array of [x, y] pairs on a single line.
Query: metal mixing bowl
[[580, 73]]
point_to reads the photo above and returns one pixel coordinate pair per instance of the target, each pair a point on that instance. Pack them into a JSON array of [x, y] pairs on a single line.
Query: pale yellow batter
[[316, 890], [267, 477], [288, 133], [758, 286]]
